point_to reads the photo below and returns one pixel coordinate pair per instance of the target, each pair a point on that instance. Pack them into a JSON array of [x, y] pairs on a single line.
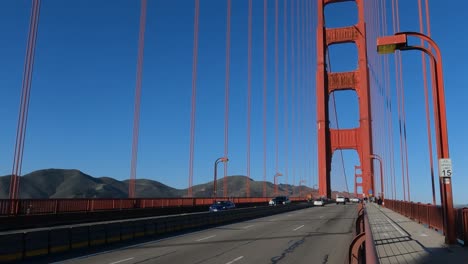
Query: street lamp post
[[389, 44], [222, 159], [377, 157], [276, 184]]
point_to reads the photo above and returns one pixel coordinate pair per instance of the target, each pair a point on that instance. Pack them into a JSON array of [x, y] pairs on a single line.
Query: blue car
[[222, 206]]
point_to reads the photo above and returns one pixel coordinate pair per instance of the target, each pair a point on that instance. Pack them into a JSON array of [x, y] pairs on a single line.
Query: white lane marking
[[289, 214], [120, 261], [322, 216], [297, 228], [234, 260], [137, 245], [205, 238], [394, 226], [248, 226], [133, 246]]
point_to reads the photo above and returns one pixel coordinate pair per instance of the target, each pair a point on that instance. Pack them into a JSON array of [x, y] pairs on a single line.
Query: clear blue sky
[[84, 79]]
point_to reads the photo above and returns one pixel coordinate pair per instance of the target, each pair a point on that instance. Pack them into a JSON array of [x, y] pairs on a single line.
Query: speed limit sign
[[445, 168]]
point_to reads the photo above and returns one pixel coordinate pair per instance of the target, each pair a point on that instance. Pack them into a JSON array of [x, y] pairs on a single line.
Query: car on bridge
[[319, 202], [355, 200], [340, 199], [279, 200], [222, 206]]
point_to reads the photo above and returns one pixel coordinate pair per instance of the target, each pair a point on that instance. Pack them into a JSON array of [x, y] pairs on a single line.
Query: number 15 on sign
[[445, 167]]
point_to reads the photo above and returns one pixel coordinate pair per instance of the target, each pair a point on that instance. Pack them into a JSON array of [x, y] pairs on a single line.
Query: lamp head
[[388, 44]]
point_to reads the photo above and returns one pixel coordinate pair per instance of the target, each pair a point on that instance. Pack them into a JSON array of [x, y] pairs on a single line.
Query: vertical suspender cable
[[226, 102], [299, 88], [304, 93], [390, 114], [194, 94], [308, 86], [276, 87], [249, 96], [313, 105], [293, 84], [136, 116], [398, 89], [264, 95], [403, 113], [285, 89], [402, 107], [383, 119], [426, 92], [24, 103]]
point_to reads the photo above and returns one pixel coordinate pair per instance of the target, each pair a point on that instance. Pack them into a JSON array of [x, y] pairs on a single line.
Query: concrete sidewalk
[[401, 240]]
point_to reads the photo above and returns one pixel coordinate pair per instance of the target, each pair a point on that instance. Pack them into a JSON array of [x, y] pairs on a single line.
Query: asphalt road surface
[[313, 235]]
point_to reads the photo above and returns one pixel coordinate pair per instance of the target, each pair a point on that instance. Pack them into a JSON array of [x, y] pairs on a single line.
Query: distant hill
[[61, 183]]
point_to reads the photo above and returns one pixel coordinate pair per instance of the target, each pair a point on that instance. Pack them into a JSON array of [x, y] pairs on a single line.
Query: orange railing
[[431, 215], [54, 206]]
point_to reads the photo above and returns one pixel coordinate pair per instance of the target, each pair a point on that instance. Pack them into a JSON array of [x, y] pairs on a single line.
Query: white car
[[354, 200], [340, 199], [319, 202]]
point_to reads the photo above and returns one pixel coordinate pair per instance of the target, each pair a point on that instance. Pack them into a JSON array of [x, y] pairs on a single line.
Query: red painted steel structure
[[54, 206], [399, 40], [356, 183], [359, 138]]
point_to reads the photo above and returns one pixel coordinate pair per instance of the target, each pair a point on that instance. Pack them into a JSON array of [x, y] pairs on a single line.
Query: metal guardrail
[[362, 248], [431, 215], [55, 206]]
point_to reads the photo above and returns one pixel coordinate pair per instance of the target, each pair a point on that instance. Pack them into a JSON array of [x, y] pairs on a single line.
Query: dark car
[[222, 206], [279, 200], [346, 199]]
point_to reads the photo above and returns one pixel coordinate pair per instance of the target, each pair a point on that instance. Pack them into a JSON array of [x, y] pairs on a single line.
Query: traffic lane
[[329, 242], [181, 243], [279, 243], [215, 246], [311, 239]]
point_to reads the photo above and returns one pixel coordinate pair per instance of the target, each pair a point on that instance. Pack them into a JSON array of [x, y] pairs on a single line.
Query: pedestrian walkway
[[400, 240]]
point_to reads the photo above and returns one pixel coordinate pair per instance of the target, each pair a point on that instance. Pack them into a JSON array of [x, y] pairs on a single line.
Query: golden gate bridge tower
[[360, 138]]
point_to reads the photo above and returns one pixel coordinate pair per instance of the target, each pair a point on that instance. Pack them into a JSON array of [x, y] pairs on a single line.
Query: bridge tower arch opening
[[342, 172], [332, 139]]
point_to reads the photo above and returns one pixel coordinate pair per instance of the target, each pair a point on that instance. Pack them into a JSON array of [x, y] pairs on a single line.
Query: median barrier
[[36, 243], [113, 232], [126, 230], [59, 240], [97, 235], [79, 237], [44, 241], [11, 247], [150, 228], [160, 227]]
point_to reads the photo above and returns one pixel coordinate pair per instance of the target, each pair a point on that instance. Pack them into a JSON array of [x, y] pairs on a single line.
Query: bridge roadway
[[312, 235]]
